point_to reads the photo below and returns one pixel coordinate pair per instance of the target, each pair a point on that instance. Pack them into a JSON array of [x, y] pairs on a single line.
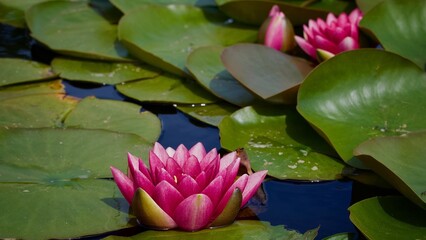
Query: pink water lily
[[323, 39], [186, 189], [277, 31]]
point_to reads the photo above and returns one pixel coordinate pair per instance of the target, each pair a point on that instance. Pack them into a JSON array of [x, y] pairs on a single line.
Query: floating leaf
[[102, 72], [272, 75], [164, 35], [239, 230], [34, 111], [211, 113], [207, 67], [127, 6], [341, 236], [15, 70], [12, 12], [396, 26], [399, 160], [166, 88], [61, 210], [92, 113], [256, 11], [367, 5], [279, 140], [389, 218], [358, 95], [31, 89], [75, 29]]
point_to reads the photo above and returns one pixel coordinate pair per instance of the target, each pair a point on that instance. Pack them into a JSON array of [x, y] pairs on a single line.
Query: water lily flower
[[323, 39], [277, 31], [186, 189]]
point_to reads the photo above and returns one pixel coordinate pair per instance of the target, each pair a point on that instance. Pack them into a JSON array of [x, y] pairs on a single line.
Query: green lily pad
[[12, 12], [66, 210], [358, 95], [166, 88], [31, 89], [102, 72], [281, 141], [341, 236], [256, 11], [272, 75], [244, 230], [34, 111], [127, 6], [93, 113], [210, 113], [403, 36], [46, 154], [367, 5], [389, 218], [205, 65], [75, 29], [399, 160], [15, 70], [164, 35]]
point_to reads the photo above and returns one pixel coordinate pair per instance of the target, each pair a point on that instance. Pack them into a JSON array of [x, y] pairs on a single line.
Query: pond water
[[297, 205]]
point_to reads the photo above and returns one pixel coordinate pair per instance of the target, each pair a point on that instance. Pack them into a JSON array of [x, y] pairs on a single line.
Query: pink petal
[[167, 197], [137, 165], [191, 166], [194, 212], [212, 169], [307, 33], [198, 151], [274, 11], [253, 183], [181, 155], [124, 184], [342, 19], [214, 190], [149, 213], [230, 212], [141, 181], [201, 179], [210, 156], [188, 186], [163, 175], [330, 18], [227, 160], [240, 183], [174, 169], [155, 162], [306, 47], [321, 26], [275, 32], [170, 151], [355, 16], [160, 152], [231, 173], [323, 43], [347, 44]]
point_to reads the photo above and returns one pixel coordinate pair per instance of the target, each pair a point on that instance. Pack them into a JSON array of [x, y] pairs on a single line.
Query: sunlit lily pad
[[239, 230], [280, 140], [166, 88], [75, 29], [31, 89], [102, 72], [15, 70], [358, 95], [127, 6], [207, 67], [400, 160], [298, 11], [34, 111], [164, 35], [211, 113], [93, 113], [12, 12], [390, 218], [396, 25], [61, 210], [272, 75]]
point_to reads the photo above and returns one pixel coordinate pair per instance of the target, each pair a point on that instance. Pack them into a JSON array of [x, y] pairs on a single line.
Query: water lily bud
[[323, 39], [186, 189], [277, 31]]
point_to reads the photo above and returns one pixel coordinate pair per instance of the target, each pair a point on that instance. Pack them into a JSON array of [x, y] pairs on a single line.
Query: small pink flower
[[323, 39], [186, 189], [277, 31]]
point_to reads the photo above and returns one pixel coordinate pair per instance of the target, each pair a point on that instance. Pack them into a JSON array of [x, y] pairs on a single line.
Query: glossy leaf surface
[[395, 24], [381, 85], [164, 35], [396, 217], [15, 70], [127, 6], [211, 113], [279, 140], [13, 12], [399, 160], [75, 29], [33, 88]]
